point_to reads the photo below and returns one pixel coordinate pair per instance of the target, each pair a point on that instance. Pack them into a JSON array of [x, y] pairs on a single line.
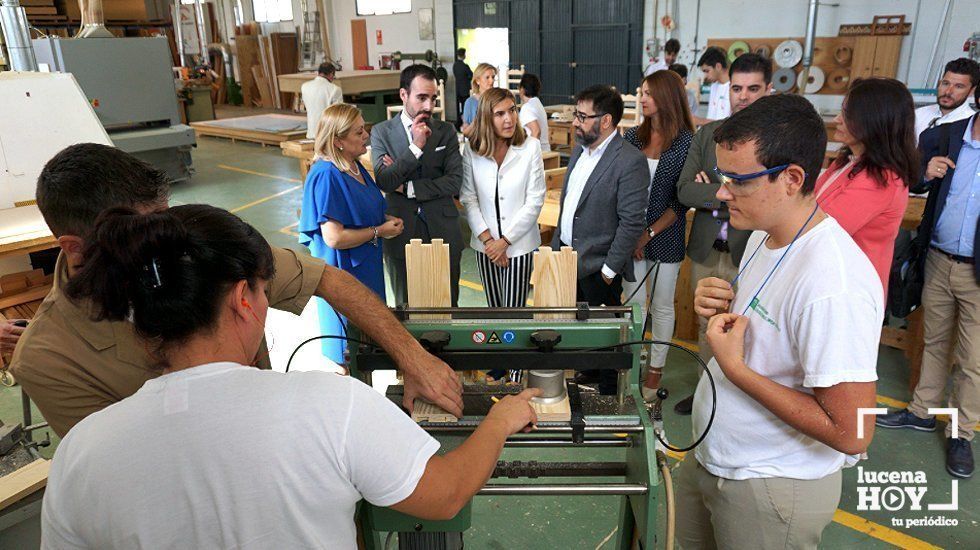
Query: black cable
[[327, 337], [711, 380], [639, 285]]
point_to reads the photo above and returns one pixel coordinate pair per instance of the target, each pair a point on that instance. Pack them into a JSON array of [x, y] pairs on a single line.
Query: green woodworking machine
[[535, 341]]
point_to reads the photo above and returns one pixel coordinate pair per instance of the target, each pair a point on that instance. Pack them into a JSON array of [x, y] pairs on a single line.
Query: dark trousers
[[594, 290], [459, 110]]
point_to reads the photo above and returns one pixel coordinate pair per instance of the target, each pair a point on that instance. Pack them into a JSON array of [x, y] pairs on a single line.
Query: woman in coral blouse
[[866, 188]]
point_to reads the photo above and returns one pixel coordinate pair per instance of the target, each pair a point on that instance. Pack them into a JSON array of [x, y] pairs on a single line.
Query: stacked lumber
[[261, 59]]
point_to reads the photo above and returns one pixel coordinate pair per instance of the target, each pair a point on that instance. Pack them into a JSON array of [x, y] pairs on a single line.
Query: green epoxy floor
[[237, 175]]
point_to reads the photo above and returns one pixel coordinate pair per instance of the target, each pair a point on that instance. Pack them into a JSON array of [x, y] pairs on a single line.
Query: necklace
[[775, 267]]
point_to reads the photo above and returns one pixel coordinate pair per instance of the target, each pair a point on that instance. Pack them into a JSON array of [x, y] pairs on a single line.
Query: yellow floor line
[[254, 173], [288, 230], [880, 532], [472, 285], [264, 199]]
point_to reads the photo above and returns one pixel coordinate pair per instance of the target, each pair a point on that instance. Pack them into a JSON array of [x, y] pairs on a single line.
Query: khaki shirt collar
[[101, 335]]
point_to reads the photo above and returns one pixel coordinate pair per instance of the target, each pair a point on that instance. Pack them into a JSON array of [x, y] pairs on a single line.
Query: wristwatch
[[651, 232], [374, 240]]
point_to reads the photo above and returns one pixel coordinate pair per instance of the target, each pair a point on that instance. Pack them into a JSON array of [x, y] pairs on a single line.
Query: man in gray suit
[[603, 204], [418, 166], [715, 247]]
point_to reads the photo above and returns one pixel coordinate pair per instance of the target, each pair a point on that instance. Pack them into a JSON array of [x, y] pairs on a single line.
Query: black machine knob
[[546, 339], [434, 340]]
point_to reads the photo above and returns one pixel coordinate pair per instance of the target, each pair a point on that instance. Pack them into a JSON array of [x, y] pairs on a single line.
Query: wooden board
[[247, 56], [351, 82], [250, 128], [23, 482], [427, 267], [427, 412], [551, 160], [359, 47], [554, 412], [555, 280], [285, 54]]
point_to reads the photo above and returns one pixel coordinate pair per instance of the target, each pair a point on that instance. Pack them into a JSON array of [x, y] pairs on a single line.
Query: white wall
[[400, 32], [768, 18]]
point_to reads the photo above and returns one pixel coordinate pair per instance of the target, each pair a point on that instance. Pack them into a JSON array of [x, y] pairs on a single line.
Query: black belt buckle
[[956, 258], [721, 245]]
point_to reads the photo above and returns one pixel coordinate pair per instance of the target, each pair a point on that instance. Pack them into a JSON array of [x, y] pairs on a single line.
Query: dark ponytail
[[169, 270]]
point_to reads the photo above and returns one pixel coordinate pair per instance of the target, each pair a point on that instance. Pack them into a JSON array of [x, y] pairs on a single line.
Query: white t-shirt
[[226, 456], [533, 110], [318, 94], [816, 324], [719, 106]]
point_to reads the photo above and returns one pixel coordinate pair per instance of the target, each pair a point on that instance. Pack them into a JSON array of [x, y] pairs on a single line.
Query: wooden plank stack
[[261, 59], [555, 281]]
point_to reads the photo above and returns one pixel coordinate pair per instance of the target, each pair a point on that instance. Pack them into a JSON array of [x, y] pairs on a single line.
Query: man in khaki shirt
[[73, 366]]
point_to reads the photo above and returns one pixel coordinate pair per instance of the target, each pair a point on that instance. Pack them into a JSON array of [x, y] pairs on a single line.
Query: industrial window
[[383, 7], [272, 11]]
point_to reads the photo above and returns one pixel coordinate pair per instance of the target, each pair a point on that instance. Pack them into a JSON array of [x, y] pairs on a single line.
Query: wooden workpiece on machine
[[554, 277], [427, 412], [427, 268]]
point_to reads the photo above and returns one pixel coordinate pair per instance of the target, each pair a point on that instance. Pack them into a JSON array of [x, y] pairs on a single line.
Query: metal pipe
[[17, 36], [225, 52], [564, 490], [93, 20], [179, 34], [543, 429], [915, 31], [567, 443], [202, 40], [808, 43], [935, 47]]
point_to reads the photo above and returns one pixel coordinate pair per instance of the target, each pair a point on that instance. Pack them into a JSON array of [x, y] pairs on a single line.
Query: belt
[[954, 257]]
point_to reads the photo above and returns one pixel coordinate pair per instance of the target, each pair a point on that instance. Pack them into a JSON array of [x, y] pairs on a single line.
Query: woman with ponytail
[[214, 454]]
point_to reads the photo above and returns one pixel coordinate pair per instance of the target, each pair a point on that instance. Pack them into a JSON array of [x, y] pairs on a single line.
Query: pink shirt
[[871, 214]]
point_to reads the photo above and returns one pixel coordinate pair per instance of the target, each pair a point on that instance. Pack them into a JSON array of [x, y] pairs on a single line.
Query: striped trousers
[[505, 286]]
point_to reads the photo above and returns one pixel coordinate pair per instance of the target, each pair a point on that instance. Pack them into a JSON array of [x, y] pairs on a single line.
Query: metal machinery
[[488, 338], [129, 82]]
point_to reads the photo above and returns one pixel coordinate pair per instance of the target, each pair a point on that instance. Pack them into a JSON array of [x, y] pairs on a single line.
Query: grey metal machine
[[129, 82]]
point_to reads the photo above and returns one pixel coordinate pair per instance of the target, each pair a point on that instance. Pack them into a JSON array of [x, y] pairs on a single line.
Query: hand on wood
[[514, 412], [432, 380]]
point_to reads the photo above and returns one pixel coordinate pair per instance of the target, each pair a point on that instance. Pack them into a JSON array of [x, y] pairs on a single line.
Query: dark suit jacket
[[436, 177], [701, 196], [610, 214], [464, 78], [929, 145]]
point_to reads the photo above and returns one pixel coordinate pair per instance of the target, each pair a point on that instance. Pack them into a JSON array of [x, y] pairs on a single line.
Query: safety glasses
[[740, 184]]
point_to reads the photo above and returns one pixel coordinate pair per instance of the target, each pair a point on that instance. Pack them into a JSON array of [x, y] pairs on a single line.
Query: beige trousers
[[760, 513], [951, 305], [718, 264]]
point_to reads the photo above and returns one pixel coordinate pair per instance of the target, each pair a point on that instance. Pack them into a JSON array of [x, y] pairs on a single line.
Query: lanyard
[[775, 267]]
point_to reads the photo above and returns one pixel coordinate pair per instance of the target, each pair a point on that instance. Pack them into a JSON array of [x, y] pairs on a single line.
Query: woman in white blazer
[[503, 190]]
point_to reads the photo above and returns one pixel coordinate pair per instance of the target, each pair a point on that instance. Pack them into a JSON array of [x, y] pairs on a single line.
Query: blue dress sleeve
[[469, 109], [323, 199]]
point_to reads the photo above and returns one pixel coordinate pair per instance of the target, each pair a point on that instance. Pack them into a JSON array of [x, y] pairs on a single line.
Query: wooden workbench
[[351, 82]]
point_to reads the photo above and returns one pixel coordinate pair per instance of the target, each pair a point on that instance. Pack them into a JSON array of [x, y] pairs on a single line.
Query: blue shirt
[[957, 224], [469, 109]]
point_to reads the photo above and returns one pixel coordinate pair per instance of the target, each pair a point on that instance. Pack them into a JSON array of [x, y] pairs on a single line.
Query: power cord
[[704, 366], [327, 337]]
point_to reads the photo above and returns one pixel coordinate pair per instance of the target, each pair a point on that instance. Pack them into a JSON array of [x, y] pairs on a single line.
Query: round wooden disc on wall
[[764, 51], [838, 79], [842, 55], [788, 53], [784, 80], [814, 81], [737, 48]]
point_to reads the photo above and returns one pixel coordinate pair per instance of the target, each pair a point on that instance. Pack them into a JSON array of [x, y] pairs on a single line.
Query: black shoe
[[905, 419], [959, 457], [684, 406]]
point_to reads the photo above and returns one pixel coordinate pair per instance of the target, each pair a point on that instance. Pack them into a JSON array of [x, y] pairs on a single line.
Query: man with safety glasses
[[795, 340], [715, 248]]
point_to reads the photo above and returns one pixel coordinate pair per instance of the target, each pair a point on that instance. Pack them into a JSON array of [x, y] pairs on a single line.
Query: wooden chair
[[632, 113], [437, 111], [514, 77]]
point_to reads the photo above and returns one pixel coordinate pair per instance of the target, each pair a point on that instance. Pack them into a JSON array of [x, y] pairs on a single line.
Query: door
[[358, 37], [863, 60], [887, 50]]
